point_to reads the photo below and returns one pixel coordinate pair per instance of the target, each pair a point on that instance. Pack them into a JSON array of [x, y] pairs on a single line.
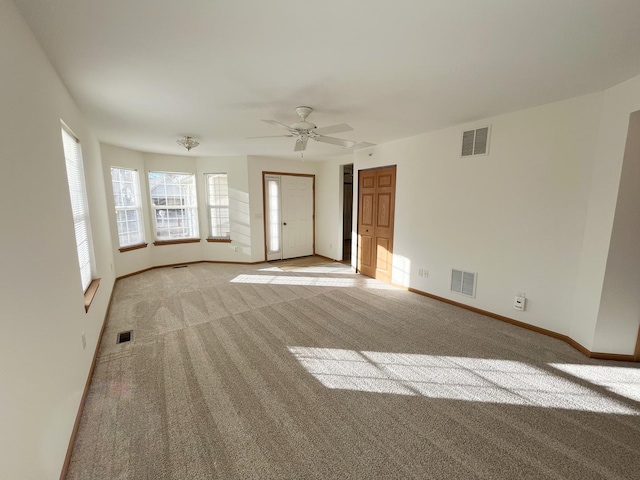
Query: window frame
[[136, 207], [217, 211], [192, 207], [76, 182]]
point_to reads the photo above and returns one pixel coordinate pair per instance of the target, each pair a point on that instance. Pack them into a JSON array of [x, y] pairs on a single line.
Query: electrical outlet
[[423, 272], [519, 303]]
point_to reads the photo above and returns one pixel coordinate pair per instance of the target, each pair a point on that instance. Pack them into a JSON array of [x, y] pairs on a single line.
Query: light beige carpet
[[254, 372]]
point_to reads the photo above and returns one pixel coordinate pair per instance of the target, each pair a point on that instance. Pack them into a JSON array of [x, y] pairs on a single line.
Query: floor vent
[[463, 283], [124, 337], [181, 266], [475, 142]]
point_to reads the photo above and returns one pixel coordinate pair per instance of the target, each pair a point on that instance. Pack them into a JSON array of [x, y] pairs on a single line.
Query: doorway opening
[[347, 212]]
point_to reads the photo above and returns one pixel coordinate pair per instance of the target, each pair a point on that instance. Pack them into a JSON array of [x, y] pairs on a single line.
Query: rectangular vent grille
[[124, 337], [463, 283], [475, 142]]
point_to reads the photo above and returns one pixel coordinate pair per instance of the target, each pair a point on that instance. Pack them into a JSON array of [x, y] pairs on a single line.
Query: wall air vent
[[475, 142], [463, 283]]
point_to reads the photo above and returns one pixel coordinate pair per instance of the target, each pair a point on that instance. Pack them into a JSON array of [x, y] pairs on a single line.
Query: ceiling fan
[[302, 131]]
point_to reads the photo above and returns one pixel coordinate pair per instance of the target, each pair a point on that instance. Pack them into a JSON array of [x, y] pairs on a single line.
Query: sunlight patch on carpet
[[623, 381], [311, 281], [454, 378], [340, 270]]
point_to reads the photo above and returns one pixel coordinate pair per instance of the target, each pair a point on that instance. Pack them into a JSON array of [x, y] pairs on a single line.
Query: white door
[[289, 210], [297, 216]]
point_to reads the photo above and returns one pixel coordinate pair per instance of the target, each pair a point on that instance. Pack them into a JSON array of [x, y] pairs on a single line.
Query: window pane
[[273, 194], [220, 222], [176, 223]]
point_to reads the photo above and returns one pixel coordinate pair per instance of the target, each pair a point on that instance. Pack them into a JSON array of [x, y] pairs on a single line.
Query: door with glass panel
[[289, 215]]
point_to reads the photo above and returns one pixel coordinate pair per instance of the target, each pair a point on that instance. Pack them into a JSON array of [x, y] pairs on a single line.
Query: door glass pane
[[273, 196]]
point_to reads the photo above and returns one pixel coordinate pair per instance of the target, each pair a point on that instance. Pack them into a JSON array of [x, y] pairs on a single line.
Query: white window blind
[[126, 197], [174, 205], [218, 203], [79, 208]]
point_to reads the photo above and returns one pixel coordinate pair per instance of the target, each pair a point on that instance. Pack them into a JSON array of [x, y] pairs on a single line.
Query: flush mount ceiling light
[[188, 142]]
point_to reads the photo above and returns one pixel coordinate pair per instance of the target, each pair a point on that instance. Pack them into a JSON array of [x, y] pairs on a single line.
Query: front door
[[376, 211], [289, 213]]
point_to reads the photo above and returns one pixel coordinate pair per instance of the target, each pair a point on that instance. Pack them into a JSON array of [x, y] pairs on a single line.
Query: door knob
[[284, 223]]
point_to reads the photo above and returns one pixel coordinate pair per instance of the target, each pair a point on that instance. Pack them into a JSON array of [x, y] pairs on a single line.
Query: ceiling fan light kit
[[302, 131]]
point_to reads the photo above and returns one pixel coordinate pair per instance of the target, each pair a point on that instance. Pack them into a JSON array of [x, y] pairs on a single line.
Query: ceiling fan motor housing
[[304, 112], [303, 126]]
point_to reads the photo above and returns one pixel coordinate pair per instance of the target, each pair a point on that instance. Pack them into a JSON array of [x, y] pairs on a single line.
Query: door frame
[[356, 174], [264, 205]]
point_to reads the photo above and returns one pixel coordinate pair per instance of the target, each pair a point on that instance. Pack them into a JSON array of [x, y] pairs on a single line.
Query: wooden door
[[376, 212]]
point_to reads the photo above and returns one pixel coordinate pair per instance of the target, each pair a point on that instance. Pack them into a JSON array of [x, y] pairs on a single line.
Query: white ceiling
[[145, 72]]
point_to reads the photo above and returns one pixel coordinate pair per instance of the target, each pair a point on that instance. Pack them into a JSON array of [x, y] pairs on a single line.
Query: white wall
[[246, 204], [329, 214], [515, 216], [618, 174], [240, 249], [43, 366], [133, 260], [619, 314]]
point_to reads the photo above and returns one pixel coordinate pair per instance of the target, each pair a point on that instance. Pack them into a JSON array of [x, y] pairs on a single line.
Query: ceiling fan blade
[[273, 136], [341, 127], [278, 124], [336, 141], [301, 144]]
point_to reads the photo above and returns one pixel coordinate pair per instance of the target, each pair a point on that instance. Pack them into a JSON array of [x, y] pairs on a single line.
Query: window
[[79, 208], [218, 203], [126, 197], [174, 205]]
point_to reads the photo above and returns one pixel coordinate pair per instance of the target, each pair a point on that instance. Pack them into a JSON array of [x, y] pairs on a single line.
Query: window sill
[[219, 240], [90, 293], [133, 247], [159, 243]]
